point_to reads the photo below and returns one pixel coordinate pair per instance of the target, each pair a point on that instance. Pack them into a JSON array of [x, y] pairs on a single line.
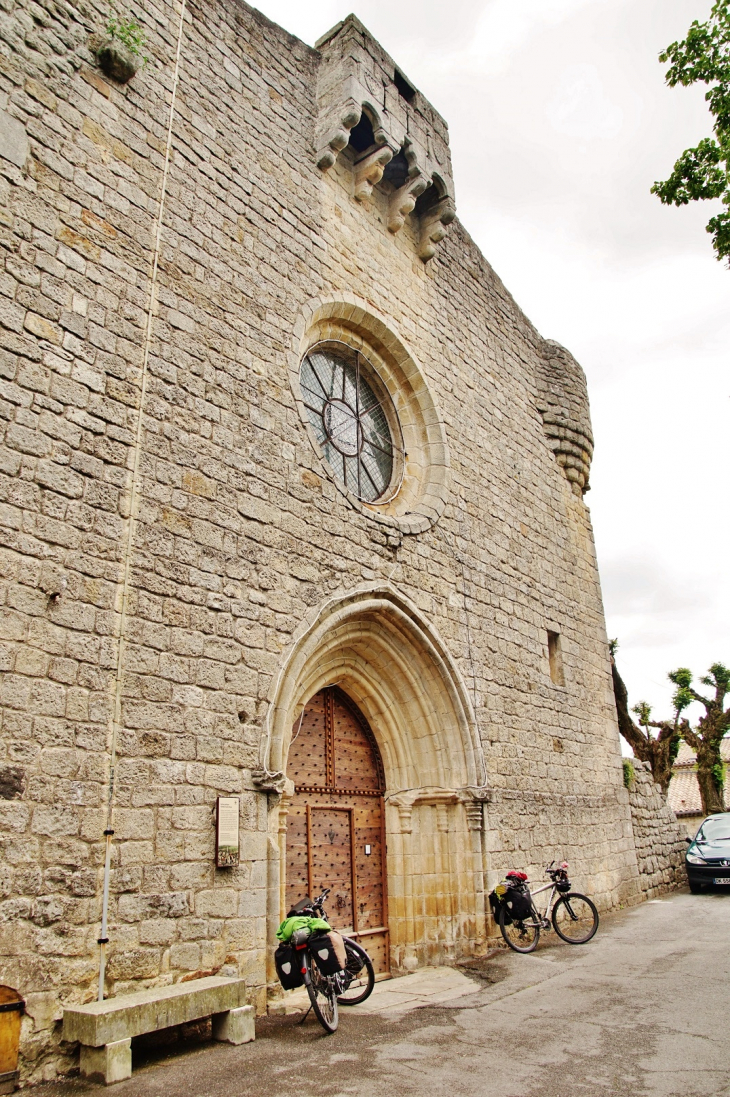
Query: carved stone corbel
[[481, 793], [369, 172], [277, 783], [403, 201], [335, 137], [354, 74], [474, 798], [404, 802], [434, 223]]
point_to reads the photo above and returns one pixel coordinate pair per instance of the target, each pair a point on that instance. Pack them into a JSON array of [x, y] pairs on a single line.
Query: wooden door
[[336, 822]]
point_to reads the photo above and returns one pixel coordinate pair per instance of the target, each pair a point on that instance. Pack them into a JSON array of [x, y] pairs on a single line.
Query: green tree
[[652, 741], [706, 738], [704, 171]]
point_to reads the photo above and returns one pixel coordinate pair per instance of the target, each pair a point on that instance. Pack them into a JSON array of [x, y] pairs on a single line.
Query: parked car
[[708, 853]]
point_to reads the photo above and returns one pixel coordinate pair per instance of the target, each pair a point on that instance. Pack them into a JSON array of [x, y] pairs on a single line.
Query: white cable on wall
[[134, 498]]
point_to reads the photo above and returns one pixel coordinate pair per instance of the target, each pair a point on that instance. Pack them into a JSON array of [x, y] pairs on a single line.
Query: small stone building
[[293, 521]]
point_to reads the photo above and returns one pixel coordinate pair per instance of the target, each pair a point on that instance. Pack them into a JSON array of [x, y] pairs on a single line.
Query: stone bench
[[105, 1029]]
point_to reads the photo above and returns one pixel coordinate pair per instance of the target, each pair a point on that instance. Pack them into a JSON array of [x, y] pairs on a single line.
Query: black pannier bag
[[322, 948], [288, 966], [496, 904], [519, 903]]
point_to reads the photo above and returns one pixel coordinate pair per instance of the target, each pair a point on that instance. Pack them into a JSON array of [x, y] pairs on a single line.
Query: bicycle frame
[[552, 887]]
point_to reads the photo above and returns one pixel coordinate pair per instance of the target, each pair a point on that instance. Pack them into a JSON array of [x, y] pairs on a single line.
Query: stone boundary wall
[[658, 836]]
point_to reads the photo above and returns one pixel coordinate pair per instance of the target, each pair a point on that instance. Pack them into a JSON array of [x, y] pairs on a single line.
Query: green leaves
[[643, 710], [720, 228], [681, 700], [129, 32], [696, 175], [720, 676], [718, 776], [683, 695], [703, 172]]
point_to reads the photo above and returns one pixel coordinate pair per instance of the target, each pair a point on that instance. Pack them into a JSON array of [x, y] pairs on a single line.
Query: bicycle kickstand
[[305, 1016]]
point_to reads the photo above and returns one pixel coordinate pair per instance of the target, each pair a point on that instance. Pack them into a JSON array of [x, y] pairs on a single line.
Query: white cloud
[[580, 107]]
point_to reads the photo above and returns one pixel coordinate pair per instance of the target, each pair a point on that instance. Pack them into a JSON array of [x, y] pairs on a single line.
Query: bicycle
[[348, 987], [573, 916]]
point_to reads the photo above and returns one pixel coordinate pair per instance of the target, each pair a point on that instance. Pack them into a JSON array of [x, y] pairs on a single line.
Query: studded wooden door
[[336, 824]]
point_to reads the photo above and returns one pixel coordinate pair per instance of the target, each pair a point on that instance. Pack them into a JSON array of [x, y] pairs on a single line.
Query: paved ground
[[641, 1010], [428, 987]]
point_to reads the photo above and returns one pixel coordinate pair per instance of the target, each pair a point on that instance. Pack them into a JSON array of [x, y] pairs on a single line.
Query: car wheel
[[695, 888]]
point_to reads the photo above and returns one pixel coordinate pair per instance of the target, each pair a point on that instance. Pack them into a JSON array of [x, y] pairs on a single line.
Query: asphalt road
[[641, 1010]]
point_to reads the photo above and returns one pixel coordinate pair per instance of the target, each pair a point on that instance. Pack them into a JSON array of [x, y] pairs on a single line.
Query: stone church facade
[[283, 463]]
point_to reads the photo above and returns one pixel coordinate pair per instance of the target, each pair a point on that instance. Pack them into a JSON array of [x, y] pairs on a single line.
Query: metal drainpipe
[[134, 496]]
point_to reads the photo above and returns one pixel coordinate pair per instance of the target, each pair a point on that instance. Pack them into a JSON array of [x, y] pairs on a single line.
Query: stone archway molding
[[379, 648], [328, 638]]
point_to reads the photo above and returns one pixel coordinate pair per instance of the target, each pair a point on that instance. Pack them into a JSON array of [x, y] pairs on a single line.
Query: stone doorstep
[[105, 1029]]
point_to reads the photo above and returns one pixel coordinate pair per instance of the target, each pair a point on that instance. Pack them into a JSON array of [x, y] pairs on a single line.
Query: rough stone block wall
[[658, 836], [201, 532]]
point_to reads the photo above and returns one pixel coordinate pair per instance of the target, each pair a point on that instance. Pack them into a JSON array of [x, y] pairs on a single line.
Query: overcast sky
[[560, 122]]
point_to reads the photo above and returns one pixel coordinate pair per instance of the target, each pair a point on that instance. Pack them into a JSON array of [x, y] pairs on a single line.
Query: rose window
[[353, 419]]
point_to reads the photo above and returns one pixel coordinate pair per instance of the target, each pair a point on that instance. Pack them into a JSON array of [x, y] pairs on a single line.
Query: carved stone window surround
[[421, 497]]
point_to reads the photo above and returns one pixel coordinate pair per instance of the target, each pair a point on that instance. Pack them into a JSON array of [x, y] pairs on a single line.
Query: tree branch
[[700, 698], [690, 737], [631, 733]]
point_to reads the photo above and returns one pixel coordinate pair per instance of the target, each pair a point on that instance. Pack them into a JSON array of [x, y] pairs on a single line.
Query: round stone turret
[[562, 400]]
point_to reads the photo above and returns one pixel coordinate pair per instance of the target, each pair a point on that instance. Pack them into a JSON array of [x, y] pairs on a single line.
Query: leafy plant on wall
[[121, 55], [130, 33]]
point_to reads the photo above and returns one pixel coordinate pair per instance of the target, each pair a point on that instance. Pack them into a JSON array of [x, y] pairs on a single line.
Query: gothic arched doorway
[[335, 833]]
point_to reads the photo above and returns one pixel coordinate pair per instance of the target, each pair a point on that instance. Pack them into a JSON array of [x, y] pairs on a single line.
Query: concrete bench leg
[[109, 1063], [237, 1026]]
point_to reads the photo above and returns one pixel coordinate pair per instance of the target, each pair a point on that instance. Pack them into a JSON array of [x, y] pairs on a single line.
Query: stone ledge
[[130, 1015]]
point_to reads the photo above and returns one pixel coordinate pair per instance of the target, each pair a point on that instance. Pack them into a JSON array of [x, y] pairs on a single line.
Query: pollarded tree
[[705, 739], [704, 171], [652, 741]]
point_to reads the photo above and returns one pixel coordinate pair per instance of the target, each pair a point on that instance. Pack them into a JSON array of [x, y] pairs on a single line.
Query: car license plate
[[722, 880]]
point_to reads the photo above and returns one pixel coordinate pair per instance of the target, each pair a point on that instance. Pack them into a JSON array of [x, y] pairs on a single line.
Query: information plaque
[[226, 832]]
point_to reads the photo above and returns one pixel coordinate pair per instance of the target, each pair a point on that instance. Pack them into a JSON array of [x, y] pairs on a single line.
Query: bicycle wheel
[[520, 936], [358, 978], [322, 991], [575, 918]]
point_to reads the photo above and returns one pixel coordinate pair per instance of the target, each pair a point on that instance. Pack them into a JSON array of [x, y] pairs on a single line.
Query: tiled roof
[[686, 756], [684, 794]]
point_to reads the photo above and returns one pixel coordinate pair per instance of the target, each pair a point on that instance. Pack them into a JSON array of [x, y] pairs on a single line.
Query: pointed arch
[[400, 672], [376, 646]]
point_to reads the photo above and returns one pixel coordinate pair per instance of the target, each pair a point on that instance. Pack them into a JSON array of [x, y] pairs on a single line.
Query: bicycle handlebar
[[561, 870]]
